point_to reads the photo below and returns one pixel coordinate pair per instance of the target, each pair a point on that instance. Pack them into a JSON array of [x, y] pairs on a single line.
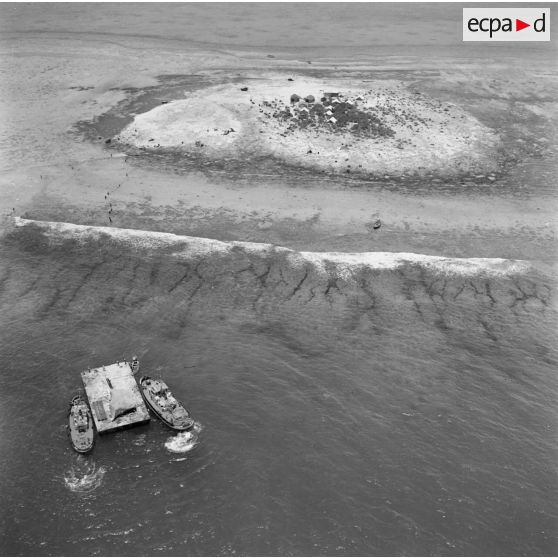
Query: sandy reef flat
[[468, 171]]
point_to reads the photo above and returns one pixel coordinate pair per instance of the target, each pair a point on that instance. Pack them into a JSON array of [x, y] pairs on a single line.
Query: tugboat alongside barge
[[116, 402], [162, 402], [80, 425]]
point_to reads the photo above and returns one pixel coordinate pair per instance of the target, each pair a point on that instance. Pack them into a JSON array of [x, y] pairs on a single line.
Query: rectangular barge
[[114, 397]]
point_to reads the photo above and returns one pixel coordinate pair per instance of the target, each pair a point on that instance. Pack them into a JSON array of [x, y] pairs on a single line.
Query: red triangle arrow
[[519, 25]]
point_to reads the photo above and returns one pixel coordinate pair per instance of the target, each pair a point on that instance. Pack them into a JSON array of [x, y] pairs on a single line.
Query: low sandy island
[[322, 124]]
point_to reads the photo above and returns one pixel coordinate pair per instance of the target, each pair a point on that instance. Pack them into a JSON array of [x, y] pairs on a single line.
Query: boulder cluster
[[332, 112]]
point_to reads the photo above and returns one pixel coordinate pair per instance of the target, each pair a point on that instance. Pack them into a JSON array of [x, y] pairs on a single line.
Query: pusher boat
[[162, 402]]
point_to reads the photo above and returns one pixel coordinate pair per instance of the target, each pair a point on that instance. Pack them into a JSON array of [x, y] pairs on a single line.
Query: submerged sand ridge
[[324, 125]]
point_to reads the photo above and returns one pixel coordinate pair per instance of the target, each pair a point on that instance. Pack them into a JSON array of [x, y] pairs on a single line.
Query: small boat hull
[[80, 425], [164, 405]]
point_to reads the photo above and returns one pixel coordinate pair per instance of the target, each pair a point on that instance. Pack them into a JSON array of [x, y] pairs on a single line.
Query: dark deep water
[[404, 413]]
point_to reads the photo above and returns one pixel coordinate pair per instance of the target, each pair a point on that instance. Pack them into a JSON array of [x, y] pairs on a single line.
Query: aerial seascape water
[[356, 390], [329, 427]]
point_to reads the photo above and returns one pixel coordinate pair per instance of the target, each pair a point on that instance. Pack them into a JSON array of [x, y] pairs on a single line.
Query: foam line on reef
[[341, 262]]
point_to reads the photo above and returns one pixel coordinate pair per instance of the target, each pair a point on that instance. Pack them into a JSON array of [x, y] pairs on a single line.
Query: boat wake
[[139, 441], [183, 442], [84, 476]]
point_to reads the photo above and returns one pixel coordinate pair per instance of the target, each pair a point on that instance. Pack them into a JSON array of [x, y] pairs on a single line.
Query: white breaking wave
[[340, 262], [393, 260]]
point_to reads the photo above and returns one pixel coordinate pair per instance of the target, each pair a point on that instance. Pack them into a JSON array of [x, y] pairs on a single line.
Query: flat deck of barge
[[114, 397]]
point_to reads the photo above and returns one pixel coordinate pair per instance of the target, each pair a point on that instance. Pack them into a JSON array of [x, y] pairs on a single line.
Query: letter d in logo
[[540, 24]]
